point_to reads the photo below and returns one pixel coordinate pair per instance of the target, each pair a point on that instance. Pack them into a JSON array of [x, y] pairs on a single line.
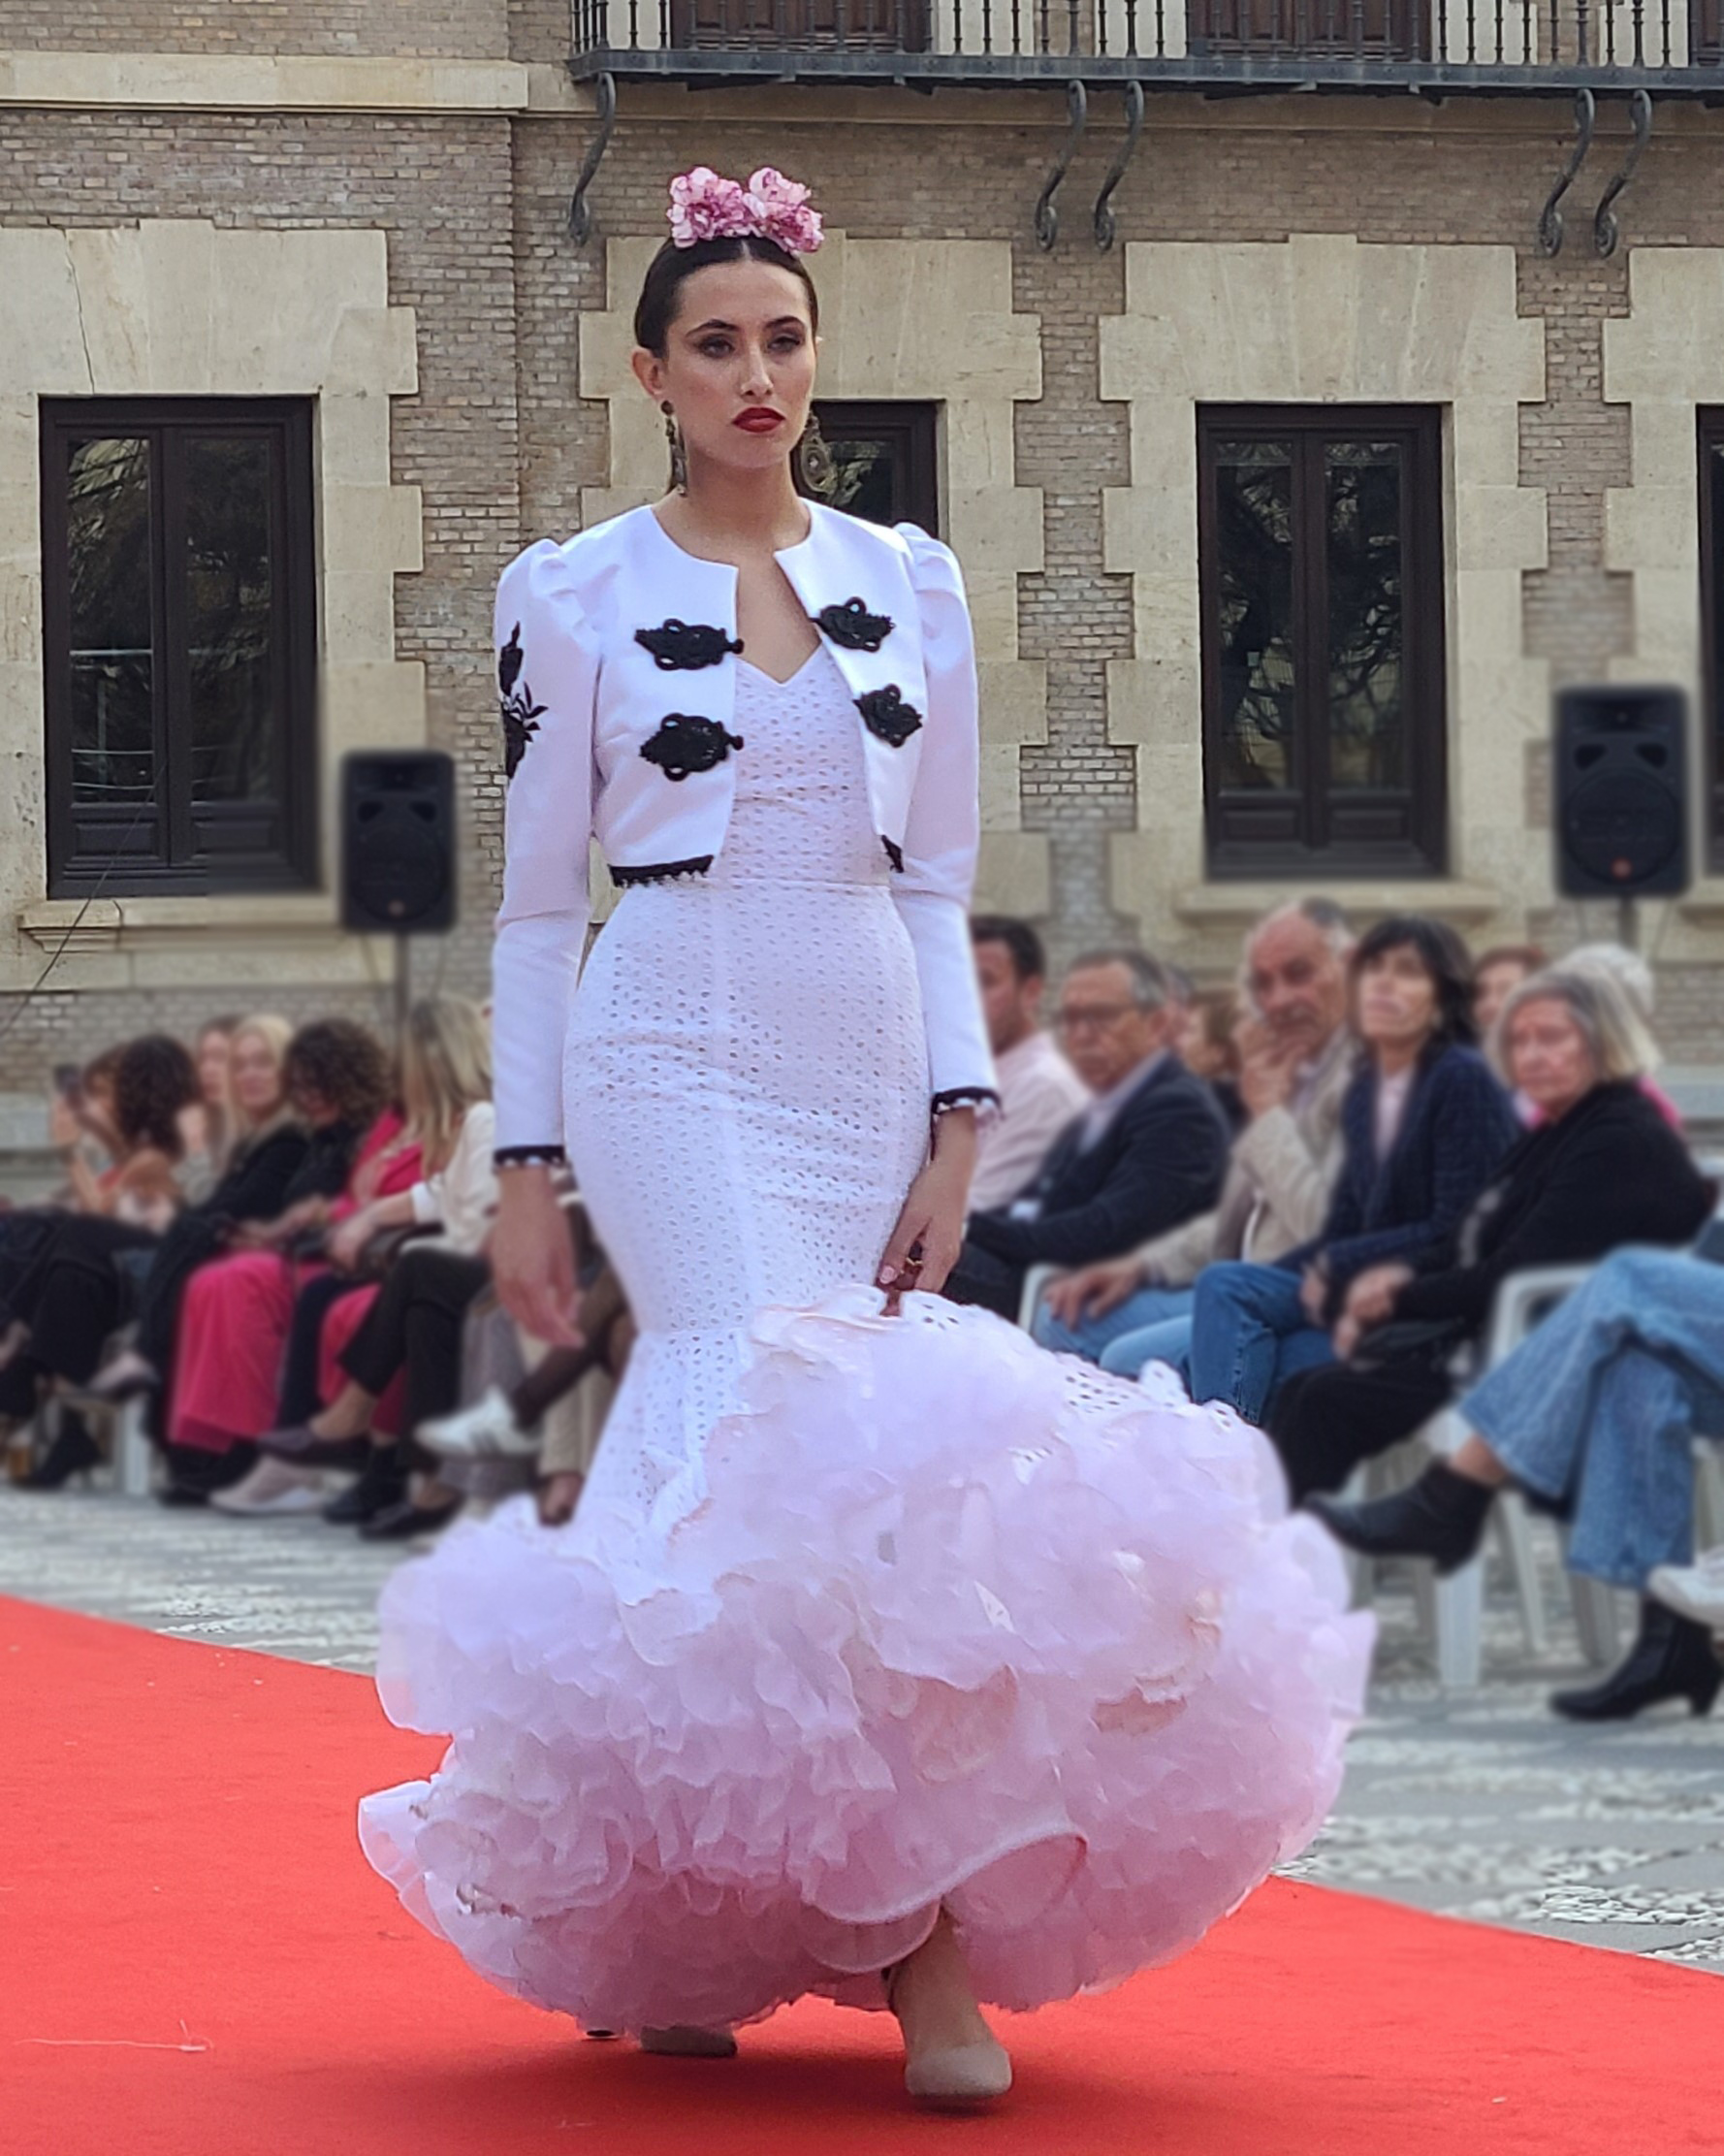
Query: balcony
[[1434, 48]]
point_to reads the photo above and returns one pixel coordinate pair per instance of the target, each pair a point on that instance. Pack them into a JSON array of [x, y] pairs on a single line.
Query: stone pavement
[[1480, 1804]]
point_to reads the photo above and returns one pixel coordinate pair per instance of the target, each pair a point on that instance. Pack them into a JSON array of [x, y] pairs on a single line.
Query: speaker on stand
[[397, 850], [1621, 812]]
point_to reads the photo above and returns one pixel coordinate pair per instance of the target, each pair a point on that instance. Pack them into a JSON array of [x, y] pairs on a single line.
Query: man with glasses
[[1148, 1152], [1297, 1056]]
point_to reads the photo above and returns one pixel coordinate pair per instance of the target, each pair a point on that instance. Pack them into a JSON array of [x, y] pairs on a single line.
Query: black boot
[[1441, 1515], [382, 1483], [74, 1452], [1671, 1658]]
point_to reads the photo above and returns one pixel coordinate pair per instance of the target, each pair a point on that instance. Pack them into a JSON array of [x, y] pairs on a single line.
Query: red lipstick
[[758, 419]]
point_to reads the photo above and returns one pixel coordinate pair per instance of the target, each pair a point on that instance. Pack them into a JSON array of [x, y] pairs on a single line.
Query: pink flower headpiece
[[706, 205]]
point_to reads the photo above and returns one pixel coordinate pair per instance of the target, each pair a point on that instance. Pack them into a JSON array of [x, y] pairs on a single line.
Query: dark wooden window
[[1712, 608], [1373, 29], [871, 26], [180, 639], [886, 461], [1320, 557]]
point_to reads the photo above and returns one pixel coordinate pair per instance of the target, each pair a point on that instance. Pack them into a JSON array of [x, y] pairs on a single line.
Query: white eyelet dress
[[860, 1615]]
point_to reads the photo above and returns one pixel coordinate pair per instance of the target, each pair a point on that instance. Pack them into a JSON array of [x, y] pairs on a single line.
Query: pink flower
[[782, 208], [705, 206]]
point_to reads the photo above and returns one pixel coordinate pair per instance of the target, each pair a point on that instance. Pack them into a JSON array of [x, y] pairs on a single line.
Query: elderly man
[[1148, 1152], [1040, 1092], [1296, 1059]]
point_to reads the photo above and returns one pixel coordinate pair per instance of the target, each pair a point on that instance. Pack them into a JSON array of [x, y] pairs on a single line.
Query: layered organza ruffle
[[936, 1617]]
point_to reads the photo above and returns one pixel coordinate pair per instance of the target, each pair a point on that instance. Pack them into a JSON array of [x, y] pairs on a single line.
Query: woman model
[[887, 1657]]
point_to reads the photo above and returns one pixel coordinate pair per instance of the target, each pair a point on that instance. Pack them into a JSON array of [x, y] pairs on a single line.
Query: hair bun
[[706, 205]]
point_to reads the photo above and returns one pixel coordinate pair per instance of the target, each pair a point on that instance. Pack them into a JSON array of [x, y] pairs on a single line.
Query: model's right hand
[[531, 1260]]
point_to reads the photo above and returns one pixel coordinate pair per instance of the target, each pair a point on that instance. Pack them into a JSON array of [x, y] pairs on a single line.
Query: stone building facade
[[366, 209]]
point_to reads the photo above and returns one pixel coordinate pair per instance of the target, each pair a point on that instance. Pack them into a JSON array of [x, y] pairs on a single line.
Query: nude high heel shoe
[[681, 2042], [952, 2060]]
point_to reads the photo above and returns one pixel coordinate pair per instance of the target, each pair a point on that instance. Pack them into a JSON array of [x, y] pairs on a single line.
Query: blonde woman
[[384, 1352]]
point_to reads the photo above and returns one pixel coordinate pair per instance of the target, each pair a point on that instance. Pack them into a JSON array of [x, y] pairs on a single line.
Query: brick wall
[[407, 29]]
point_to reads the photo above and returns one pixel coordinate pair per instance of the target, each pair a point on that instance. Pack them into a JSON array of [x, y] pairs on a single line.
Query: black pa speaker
[[1621, 809], [397, 842]]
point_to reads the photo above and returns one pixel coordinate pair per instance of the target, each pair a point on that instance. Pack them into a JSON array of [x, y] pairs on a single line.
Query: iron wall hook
[[1550, 216], [580, 216], [1048, 216], [1605, 231], [1107, 229]]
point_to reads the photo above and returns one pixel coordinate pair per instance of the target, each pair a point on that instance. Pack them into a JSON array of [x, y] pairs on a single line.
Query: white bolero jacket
[[616, 670]]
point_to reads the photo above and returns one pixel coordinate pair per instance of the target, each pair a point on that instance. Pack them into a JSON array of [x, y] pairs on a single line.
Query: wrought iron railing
[[1672, 46]]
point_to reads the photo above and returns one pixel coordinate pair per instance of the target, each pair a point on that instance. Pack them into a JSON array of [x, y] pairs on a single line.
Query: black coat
[[1160, 1162], [1610, 1171]]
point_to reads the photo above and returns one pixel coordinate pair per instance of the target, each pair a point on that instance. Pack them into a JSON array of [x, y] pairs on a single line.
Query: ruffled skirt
[[929, 1616]]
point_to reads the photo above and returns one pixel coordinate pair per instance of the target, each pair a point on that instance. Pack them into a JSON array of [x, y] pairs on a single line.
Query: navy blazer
[[1160, 1162], [1456, 1126]]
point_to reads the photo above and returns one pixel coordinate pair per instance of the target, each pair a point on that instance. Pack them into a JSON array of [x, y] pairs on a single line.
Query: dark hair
[[1029, 960], [343, 1063], [1443, 956], [153, 1080], [1150, 986], [672, 266]]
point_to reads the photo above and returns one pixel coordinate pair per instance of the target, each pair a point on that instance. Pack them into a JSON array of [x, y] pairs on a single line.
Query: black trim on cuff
[[963, 1096], [530, 1156], [660, 872]]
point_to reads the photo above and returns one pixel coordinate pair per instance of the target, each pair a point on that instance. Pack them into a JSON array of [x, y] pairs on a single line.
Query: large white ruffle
[[952, 1620]]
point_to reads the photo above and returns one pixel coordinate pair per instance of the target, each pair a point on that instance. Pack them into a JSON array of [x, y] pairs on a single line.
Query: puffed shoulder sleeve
[[943, 832], [547, 676]]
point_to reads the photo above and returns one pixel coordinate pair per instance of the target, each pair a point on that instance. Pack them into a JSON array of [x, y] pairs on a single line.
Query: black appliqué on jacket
[[684, 744], [885, 713], [853, 626], [894, 853], [659, 872], [687, 646], [521, 716]]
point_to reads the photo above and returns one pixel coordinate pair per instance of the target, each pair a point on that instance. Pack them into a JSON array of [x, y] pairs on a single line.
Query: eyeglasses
[[1091, 1017]]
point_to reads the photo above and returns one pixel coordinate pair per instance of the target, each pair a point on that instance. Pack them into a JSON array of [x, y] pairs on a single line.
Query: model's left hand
[[924, 1245]]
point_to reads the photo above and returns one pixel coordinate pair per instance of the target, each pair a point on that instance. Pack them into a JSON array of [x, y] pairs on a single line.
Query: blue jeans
[[1599, 1409], [1101, 1339], [1249, 1335]]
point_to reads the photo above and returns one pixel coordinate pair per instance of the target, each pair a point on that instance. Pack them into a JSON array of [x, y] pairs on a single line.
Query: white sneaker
[[486, 1430], [273, 1487], [1693, 1590]]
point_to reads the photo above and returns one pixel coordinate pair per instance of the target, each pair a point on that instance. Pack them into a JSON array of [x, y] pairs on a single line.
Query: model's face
[[1492, 987], [1548, 1057], [1398, 1000], [738, 368], [215, 1052], [1297, 984], [256, 1076], [1104, 1032]]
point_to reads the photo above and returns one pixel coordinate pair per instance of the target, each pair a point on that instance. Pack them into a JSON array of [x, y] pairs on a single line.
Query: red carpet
[[198, 1962]]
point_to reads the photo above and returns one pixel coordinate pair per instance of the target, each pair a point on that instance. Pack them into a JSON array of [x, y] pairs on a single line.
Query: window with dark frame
[[1320, 566], [892, 26], [885, 460], [1711, 611], [1379, 29], [180, 643]]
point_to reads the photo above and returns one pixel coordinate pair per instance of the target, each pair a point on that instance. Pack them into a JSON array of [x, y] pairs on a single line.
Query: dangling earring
[[814, 459], [679, 453]]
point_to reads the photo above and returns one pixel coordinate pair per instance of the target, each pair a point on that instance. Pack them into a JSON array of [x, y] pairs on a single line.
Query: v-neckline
[[790, 680]]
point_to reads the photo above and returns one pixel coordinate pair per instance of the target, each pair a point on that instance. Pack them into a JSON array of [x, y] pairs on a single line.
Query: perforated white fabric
[[746, 1090]]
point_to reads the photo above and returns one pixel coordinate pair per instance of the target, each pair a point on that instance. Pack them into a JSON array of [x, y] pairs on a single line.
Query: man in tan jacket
[[1297, 1057]]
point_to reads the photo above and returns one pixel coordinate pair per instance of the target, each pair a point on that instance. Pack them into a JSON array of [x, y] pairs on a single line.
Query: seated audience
[[1296, 1064], [1040, 1092], [1424, 1125], [1595, 1414], [1209, 1050], [240, 1313], [1148, 1152], [1496, 974], [1599, 1166], [209, 1126]]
